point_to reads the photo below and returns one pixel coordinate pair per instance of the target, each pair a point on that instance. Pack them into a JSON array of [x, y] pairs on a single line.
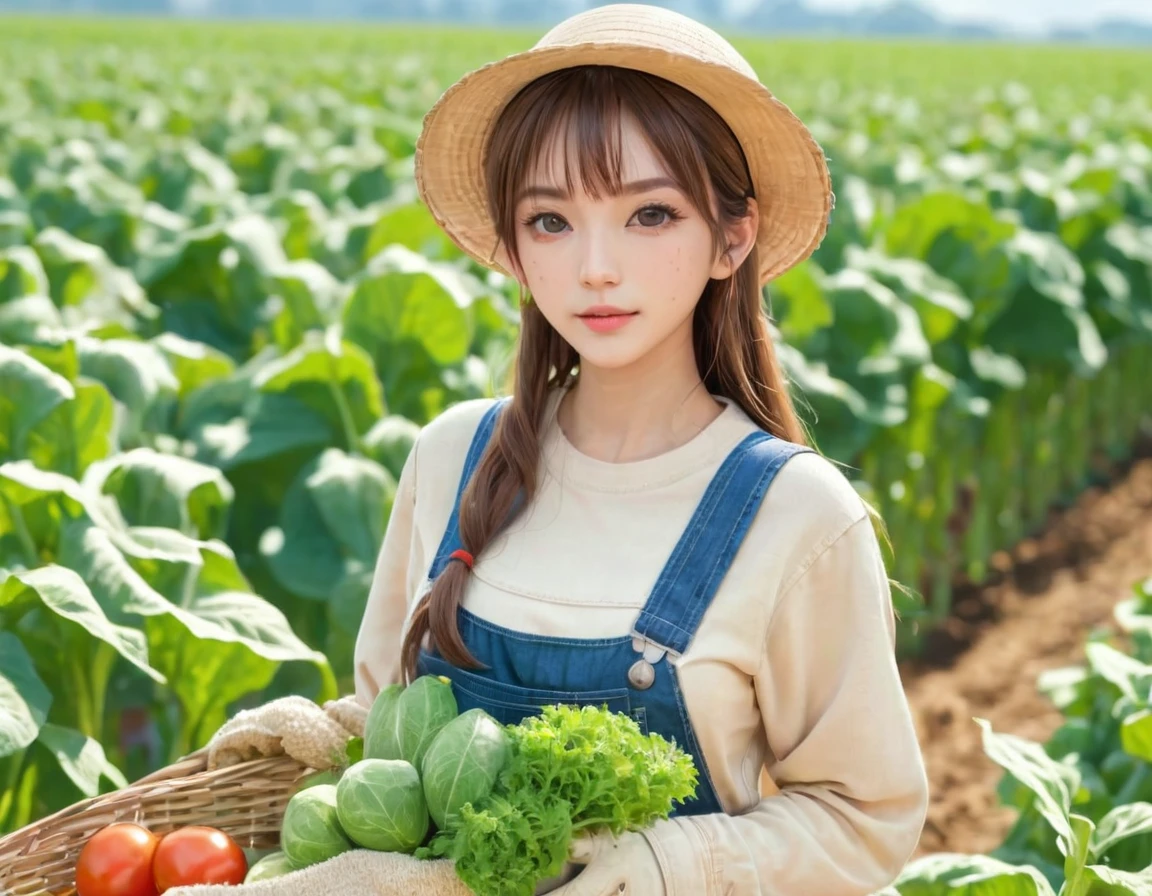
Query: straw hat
[[789, 173]]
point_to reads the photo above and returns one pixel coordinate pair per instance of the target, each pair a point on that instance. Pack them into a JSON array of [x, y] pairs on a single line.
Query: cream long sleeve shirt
[[792, 670]]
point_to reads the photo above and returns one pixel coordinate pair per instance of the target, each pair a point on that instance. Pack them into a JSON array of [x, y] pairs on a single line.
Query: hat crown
[[648, 27], [790, 176]]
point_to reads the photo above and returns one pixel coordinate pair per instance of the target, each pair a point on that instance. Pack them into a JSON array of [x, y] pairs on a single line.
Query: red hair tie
[[463, 556]]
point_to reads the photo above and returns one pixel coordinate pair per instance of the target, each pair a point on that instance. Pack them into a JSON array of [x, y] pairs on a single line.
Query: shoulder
[[809, 507], [444, 441], [810, 494], [811, 500], [818, 487], [435, 465]]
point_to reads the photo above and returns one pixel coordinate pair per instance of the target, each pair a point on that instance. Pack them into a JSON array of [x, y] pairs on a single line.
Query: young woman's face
[[618, 276]]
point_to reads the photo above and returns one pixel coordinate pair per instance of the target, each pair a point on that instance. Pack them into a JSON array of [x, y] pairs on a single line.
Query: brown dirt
[[1051, 592]]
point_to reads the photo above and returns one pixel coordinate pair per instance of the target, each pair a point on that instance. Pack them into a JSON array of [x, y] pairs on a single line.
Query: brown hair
[[733, 344]]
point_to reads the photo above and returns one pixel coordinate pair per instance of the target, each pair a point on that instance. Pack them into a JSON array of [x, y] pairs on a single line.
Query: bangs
[[582, 130], [571, 122]]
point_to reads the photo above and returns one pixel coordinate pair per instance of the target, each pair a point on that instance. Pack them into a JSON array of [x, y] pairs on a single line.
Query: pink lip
[[606, 318]]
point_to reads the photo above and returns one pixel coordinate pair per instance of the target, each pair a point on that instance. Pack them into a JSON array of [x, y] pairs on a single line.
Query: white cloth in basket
[[359, 872], [315, 736]]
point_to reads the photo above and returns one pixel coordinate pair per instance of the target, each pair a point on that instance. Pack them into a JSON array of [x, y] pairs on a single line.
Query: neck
[[634, 413]]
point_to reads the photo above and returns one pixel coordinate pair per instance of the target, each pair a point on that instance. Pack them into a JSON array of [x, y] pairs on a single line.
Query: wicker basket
[[247, 801]]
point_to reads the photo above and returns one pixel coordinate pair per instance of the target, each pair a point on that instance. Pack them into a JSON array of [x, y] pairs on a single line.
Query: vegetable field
[[224, 317], [1084, 797]]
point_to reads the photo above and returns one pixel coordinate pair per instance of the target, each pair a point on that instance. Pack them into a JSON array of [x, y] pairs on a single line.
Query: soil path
[[1051, 592]]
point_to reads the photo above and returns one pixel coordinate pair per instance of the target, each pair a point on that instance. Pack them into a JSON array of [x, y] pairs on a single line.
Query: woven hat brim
[[789, 172]]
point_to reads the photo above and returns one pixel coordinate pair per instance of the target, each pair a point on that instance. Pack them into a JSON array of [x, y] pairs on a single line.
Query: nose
[[598, 263]]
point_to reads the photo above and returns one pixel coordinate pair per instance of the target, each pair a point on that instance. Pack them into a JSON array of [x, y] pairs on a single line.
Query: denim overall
[[629, 674]]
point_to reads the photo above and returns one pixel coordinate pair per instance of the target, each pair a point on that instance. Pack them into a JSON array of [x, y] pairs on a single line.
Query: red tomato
[[117, 861], [198, 855]]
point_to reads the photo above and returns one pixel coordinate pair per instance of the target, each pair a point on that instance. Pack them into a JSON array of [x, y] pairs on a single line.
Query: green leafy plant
[[1084, 798], [569, 770], [225, 316]]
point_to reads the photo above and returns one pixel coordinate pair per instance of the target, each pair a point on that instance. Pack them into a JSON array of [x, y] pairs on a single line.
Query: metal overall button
[[642, 674]]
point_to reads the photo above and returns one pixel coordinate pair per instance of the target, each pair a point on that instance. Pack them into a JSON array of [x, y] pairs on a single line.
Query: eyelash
[[672, 215]]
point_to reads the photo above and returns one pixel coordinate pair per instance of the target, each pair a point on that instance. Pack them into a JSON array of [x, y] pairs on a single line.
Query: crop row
[[1084, 798], [224, 317]]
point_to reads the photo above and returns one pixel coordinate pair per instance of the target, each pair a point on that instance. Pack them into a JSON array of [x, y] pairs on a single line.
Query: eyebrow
[[636, 186]]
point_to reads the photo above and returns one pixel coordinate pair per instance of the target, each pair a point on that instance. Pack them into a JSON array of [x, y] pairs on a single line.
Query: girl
[[641, 523]]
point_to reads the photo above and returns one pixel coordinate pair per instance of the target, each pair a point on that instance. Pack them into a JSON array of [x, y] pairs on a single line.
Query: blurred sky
[[1023, 14]]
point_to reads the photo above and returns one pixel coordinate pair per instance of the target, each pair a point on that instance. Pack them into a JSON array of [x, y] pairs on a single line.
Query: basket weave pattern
[[246, 801]]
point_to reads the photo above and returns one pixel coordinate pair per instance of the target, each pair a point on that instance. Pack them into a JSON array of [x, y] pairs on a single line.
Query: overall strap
[[451, 539], [705, 551]]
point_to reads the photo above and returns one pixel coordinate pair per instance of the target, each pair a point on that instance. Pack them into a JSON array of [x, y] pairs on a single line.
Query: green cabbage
[[380, 724], [311, 831], [275, 864], [462, 764], [403, 725], [380, 803]]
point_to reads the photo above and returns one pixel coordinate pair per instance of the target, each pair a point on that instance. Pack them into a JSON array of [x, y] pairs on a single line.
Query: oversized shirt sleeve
[[843, 749], [399, 570]]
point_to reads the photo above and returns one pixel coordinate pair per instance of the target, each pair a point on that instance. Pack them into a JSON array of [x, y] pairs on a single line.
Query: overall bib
[[629, 674]]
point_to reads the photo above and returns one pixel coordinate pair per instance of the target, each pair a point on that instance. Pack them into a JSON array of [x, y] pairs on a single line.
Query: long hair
[[584, 106]]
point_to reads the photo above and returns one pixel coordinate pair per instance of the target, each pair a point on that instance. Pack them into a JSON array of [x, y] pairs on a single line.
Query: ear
[[741, 239]]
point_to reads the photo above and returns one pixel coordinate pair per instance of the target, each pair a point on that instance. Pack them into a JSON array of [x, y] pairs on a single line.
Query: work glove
[[614, 866], [313, 735], [358, 872]]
